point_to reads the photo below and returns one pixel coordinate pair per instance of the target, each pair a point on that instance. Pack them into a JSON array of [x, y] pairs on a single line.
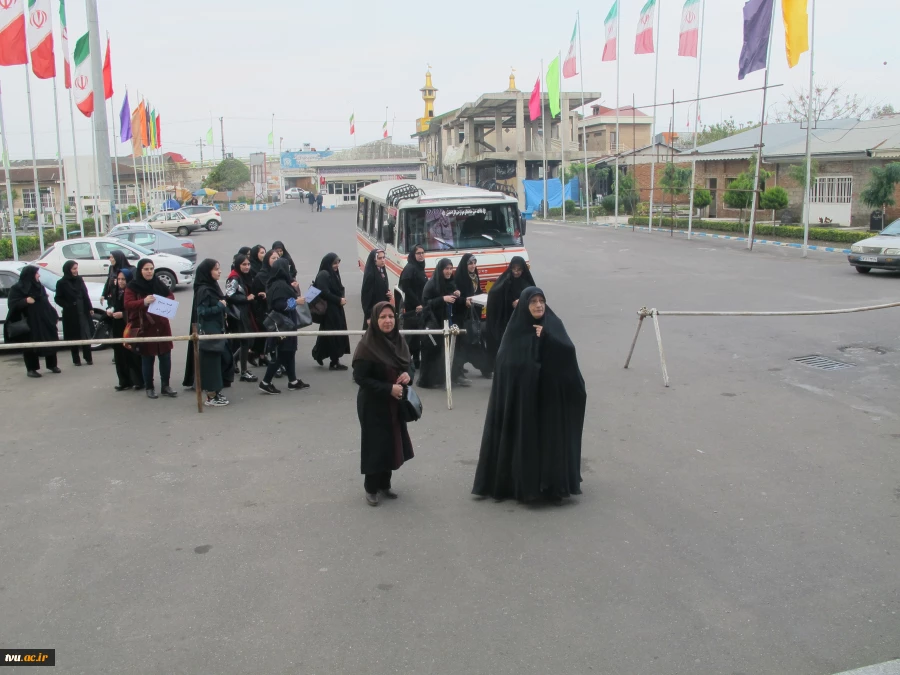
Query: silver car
[[881, 252]]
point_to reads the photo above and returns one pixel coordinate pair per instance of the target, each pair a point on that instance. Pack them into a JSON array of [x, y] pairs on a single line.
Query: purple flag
[[757, 30], [125, 120]]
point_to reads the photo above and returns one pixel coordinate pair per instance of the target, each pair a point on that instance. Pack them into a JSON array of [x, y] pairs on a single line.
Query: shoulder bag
[[132, 331], [17, 329], [276, 322], [410, 405], [303, 316]]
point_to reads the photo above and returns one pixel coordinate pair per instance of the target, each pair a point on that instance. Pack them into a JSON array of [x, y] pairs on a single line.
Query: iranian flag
[[570, 68], [83, 86], [352, 125], [643, 43], [40, 38], [13, 51], [611, 30], [64, 43], [384, 129], [690, 29]]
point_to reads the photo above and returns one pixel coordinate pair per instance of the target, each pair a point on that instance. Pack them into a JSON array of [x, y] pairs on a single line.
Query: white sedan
[[9, 275], [92, 255]]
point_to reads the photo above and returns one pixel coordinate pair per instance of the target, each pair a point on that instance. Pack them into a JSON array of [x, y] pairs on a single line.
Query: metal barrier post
[[641, 316], [448, 364], [662, 356], [195, 338]]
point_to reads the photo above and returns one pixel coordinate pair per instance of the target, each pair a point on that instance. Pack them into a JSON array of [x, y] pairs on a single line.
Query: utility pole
[[222, 129], [101, 125], [201, 151]]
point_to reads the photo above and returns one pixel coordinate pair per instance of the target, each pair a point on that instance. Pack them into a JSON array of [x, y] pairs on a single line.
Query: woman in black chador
[[28, 300], [438, 299], [531, 445], [283, 252], [381, 369], [78, 324], [469, 348], [328, 281], [502, 300], [375, 285]]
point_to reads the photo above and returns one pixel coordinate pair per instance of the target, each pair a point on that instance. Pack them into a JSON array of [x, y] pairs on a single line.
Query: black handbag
[[212, 346], [472, 326], [233, 311], [276, 322], [17, 329], [318, 308], [410, 405]]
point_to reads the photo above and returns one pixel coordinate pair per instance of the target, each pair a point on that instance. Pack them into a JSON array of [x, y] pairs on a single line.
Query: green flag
[[272, 138], [553, 86], [209, 138]]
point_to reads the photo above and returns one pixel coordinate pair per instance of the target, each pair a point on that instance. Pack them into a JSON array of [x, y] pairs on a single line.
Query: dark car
[[160, 242]]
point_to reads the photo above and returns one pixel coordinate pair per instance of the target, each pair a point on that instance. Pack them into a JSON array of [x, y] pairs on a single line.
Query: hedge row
[[29, 243], [781, 231], [557, 213]]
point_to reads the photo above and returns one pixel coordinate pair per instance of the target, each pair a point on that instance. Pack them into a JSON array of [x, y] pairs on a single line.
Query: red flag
[[107, 74], [13, 49], [158, 131], [534, 103]]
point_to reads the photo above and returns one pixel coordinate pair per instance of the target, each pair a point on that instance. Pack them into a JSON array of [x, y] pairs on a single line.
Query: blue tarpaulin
[[170, 205], [534, 193]]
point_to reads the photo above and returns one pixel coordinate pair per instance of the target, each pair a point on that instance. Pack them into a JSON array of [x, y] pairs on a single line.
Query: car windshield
[[462, 227], [139, 249], [49, 279], [892, 230]]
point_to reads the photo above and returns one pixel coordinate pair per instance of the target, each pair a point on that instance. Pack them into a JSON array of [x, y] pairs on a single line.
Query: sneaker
[[34, 373], [297, 386], [337, 365], [268, 388], [216, 401], [166, 390], [249, 377]]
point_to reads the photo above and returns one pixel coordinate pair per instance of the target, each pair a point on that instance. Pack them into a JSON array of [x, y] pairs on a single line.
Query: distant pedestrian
[[283, 296], [375, 285], [311, 198], [28, 302], [319, 200], [77, 320]]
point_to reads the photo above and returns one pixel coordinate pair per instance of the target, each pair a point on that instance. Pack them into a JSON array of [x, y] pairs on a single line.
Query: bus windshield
[[462, 227]]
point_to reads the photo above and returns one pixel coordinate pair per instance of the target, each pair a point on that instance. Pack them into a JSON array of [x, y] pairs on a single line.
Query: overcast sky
[[313, 63]]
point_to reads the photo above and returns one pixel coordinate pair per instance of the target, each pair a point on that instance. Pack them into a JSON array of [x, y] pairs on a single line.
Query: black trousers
[[377, 481], [33, 361], [85, 351], [128, 367]]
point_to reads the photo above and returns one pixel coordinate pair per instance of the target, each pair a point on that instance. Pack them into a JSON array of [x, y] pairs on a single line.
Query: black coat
[[531, 444], [374, 287], [72, 295], [332, 291], [236, 296], [503, 293], [41, 316], [385, 442]]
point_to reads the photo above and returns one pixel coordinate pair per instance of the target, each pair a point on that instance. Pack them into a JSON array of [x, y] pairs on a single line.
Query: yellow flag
[[796, 29]]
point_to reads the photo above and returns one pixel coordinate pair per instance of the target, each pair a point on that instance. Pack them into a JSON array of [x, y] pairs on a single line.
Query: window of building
[[832, 190], [47, 201]]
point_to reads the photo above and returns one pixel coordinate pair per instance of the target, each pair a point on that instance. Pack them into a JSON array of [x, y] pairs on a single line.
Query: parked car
[[129, 227], [881, 252], [295, 193], [92, 254], [178, 222], [209, 216], [159, 242], [9, 275]]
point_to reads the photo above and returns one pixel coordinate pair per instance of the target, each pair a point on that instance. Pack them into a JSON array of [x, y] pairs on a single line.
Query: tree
[[702, 199], [597, 175], [230, 174], [628, 194], [774, 199], [797, 172], [886, 110], [716, 132], [675, 180], [830, 102], [739, 194], [879, 193]]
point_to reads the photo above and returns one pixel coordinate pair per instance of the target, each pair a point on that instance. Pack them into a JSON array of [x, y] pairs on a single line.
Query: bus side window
[[401, 232], [370, 223], [361, 214], [379, 224]]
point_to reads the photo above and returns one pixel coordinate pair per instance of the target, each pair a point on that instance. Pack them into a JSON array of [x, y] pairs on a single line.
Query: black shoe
[[226, 384], [90, 363], [166, 390], [371, 499], [76, 363], [249, 377], [151, 393], [33, 373], [297, 386], [55, 370], [139, 387], [462, 382], [120, 387], [279, 373], [268, 388], [390, 494], [319, 361], [251, 359], [336, 365]]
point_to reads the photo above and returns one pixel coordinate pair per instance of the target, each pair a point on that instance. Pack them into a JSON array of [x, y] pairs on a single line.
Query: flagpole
[[809, 122], [95, 192], [79, 206], [696, 117], [37, 190], [544, 138], [9, 197], [562, 141], [618, 142], [656, 29], [137, 187], [62, 181], [587, 185], [115, 146], [762, 126]]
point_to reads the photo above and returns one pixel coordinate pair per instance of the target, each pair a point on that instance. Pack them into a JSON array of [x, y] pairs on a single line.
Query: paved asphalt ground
[[745, 520]]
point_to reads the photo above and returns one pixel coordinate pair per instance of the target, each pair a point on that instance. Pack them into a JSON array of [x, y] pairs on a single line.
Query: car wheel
[[100, 328], [168, 278], [863, 270], [213, 225], [183, 231]]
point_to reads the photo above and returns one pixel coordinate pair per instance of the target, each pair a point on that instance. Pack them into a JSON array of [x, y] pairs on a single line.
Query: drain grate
[[822, 362]]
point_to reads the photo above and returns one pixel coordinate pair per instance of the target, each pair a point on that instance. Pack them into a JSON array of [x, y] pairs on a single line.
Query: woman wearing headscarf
[[375, 286], [117, 263], [72, 296], [243, 250], [328, 281], [531, 444], [257, 255], [282, 296], [412, 284], [210, 302], [381, 369], [139, 295], [128, 364], [260, 305], [28, 300], [468, 283], [438, 299], [240, 311], [283, 252], [502, 300]]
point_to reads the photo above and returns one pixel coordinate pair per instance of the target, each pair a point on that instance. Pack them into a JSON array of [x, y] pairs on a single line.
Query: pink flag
[[689, 36], [534, 103]]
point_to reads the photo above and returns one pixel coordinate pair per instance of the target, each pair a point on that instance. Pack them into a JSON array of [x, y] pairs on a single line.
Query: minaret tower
[[428, 95]]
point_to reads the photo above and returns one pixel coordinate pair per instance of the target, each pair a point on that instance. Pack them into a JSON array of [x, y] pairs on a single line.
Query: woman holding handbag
[[139, 295], [72, 296], [282, 296], [32, 318], [215, 356], [328, 281], [381, 369], [128, 363], [240, 310]]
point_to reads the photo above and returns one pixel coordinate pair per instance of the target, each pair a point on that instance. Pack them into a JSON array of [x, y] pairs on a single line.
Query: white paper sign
[[312, 293], [163, 307], [480, 300]]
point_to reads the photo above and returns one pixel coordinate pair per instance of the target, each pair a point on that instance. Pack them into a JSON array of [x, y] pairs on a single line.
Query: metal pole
[[587, 185], [448, 364], [101, 126], [112, 115], [79, 206], [544, 139], [37, 190], [95, 190], [696, 118], [137, 187], [809, 123], [641, 318], [62, 180], [562, 141], [222, 134], [662, 355], [9, 197], [653, 133], [195, 338], [762, 126], [618, 142]]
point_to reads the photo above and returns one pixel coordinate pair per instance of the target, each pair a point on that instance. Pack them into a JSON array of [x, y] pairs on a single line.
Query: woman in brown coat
[[139, 295]]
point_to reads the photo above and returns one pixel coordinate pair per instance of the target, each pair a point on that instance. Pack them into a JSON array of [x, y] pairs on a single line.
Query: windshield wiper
[[444, 242], [487, 236]]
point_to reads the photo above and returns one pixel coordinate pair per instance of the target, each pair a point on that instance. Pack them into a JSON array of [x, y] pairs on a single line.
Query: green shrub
[[571, 212], [608, 204], [783, 231]]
